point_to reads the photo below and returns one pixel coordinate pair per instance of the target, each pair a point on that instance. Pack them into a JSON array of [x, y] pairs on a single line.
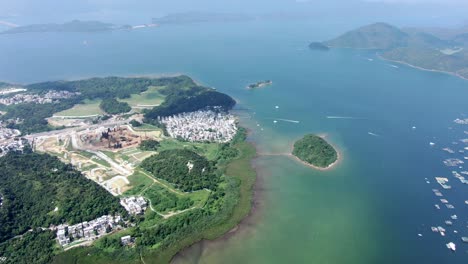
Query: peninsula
[[419, 48], [259, 84], [315, 151], [161, 162]]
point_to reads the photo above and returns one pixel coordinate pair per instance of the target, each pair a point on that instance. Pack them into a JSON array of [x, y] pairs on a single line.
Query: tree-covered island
[[315, 151]]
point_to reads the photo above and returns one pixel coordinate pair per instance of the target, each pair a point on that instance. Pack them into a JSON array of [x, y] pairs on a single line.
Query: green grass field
[[239, 170], [89, 107], [209, 150], [149, 97]]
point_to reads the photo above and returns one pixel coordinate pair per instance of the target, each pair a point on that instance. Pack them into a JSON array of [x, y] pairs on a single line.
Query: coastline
[[242, 215], [421, 68], [289, 154]]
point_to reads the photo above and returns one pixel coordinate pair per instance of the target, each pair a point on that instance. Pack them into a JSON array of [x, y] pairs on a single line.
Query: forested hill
[[187, 170], [374, 36], [38, 190], [110, 87], [417, 47], [190, 99]]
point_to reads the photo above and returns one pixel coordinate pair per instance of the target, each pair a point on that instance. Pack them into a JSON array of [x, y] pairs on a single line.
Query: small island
[[315, 152], [259, 84], [318, 46]]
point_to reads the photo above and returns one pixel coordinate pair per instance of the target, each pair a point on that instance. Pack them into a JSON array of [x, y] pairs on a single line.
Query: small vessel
[[449, 206], [441, 229], [275, 121], [452, 246], [454, 217], [277, 107], [434, 229], [431, 143], [442, 233], [448, 222], [464, 239], [437, 206], [419, 235]]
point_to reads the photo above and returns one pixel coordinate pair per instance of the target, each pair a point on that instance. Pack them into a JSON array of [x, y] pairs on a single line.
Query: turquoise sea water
[[371, 207]]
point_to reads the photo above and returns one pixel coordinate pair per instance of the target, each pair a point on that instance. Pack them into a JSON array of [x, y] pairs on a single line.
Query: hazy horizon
[[399, 12]]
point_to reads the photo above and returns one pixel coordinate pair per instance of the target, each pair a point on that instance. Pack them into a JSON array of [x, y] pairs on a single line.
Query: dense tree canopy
[[149, 145], [315, 150], [185, 169], [114, 107], [180, 100], [33, 247], [38, 190]]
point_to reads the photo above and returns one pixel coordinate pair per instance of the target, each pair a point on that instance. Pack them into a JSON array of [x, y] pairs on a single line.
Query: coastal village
[[201, 126]]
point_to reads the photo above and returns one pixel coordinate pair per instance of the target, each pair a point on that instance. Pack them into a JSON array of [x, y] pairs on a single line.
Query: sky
[[411, 12]]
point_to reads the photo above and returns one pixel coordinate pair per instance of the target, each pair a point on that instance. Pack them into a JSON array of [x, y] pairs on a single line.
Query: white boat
[[431, 143], [452, 246]]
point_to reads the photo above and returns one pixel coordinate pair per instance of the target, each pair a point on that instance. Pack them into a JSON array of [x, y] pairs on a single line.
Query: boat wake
[[288, 120], [343, 117]]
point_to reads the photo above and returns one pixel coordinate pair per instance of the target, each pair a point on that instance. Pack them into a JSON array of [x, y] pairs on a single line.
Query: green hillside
[[374, 36], [415, 47]]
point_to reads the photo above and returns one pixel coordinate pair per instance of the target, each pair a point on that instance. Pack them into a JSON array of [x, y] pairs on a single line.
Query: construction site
[[107, 155]]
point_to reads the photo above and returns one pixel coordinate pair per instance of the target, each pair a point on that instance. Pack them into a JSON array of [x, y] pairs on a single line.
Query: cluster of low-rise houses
[[134, 205], [9, 140], [88, 230], [201, 126], [49, 97], [92, 230]]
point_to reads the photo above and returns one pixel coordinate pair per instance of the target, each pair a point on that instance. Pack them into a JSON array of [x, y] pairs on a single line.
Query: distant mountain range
[[72, 26], [201, 17], [418, 48]]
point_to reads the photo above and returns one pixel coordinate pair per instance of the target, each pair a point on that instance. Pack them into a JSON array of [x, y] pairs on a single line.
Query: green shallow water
[[371, 207]]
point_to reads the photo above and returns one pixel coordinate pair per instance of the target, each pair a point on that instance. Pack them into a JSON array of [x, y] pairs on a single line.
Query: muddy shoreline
[[193, 253]]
